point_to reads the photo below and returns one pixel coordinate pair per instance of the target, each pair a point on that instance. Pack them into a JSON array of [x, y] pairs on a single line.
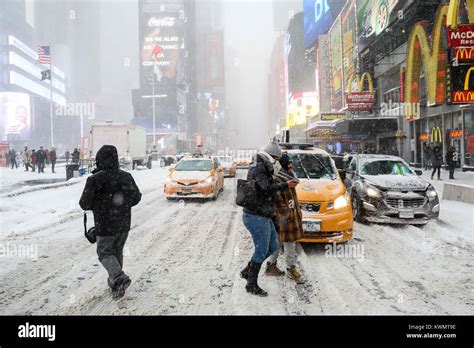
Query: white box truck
[[129, 140]]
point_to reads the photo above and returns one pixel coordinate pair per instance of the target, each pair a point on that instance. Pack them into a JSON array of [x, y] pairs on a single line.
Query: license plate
[[187, 189], [406, 214], [311, 226]]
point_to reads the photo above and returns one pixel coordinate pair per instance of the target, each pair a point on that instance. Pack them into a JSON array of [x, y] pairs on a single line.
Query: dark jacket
[[437, 157], [52, 156], [261, 170], [40, 156], [450, 158], [110, 193]]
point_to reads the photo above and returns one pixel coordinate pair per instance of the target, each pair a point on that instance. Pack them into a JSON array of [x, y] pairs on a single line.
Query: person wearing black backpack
[[258, 220], [111, 193]]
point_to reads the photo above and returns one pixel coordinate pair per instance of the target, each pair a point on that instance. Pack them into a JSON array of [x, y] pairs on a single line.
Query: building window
[[469, 138]]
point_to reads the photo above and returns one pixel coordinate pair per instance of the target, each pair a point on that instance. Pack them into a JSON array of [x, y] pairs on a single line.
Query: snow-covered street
[[185, 258]]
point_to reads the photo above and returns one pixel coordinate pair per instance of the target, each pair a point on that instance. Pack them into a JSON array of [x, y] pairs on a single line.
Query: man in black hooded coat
[[111, 193]]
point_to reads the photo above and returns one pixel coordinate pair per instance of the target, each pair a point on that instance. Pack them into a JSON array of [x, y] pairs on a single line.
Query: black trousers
[[110, 253], [434, 171], [52, 166], [451, 172]]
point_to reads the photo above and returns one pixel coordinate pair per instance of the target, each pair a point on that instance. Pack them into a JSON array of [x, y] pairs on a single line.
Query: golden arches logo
[[466, 79], [452, 16], [436, 136], [360, 82], [463, 96], [433, 58], [464, 53]]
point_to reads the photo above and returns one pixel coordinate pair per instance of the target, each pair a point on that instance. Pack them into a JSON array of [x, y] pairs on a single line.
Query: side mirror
[[418, 172], [342, 174]]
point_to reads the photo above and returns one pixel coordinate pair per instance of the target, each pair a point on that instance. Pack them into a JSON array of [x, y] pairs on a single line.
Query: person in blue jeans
[[259, 221]]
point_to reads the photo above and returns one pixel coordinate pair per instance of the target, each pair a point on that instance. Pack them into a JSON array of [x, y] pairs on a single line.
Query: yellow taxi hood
[[189, 176], [319, 190]]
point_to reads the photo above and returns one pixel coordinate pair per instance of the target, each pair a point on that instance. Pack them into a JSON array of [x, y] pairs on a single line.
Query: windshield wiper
[[302, 167], [333, 177]]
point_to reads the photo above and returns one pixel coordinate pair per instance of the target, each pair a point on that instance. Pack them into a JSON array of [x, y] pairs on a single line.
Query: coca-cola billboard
[[161, 49]]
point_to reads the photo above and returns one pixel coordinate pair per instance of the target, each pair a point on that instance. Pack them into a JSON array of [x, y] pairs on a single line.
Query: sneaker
[[273, 270], [295, 275]]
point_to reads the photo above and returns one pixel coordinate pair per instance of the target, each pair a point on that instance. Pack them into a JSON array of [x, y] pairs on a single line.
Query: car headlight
[[373, 191], [209, 180], [341, 201], [431, 192]]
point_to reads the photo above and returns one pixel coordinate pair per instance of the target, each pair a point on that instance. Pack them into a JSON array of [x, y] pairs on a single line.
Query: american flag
[[43, 55]]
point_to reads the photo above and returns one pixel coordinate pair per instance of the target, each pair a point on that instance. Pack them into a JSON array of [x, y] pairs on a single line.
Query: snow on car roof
[[379, 157], [314, 150]]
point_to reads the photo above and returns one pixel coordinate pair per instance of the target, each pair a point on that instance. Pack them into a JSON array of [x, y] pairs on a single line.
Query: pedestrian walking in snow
[[289, 225], [67, 155], [27, 158], [111, 193], [437, 161], [451, 160], [427, 155], [258, 221], [52, 158], [34, 160], [75, 156], [13, 158], [41, 159]]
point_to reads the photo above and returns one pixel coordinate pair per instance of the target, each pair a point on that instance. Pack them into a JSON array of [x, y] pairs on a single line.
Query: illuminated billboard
[[318, 18], [337, 87], [15, 117], [162, 47], [349, 52], [374, 16]]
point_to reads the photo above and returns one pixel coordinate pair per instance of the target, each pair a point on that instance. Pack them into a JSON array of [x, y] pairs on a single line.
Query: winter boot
[[273, 270], [120, 289], [252, 280], [294, 274], [245, 272]]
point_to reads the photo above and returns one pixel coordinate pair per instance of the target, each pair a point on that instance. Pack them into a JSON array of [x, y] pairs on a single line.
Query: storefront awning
[[324, 125]]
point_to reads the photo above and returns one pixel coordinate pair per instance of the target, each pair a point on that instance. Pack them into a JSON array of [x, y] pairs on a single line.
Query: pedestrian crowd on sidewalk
[[36, 160]]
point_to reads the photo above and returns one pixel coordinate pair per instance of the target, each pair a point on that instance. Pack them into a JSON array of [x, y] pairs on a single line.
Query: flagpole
[[51, 95]]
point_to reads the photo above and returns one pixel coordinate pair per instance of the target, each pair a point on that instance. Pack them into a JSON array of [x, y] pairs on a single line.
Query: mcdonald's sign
[[463, 54], [357, 99], [424, 137], [461, 91], [460, 34], [432, 57], [456, 134], [436, 136], [399, 134]]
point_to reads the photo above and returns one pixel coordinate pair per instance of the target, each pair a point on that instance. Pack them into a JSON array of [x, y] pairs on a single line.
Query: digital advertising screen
[[161, 49], [15, 116], [336, 66], [318, 18]]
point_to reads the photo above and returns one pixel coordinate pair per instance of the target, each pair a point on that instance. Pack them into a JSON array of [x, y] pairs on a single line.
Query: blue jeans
[[264, 236]]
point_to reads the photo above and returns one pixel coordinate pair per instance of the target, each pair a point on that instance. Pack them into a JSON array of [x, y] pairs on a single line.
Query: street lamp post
[[153, 101]]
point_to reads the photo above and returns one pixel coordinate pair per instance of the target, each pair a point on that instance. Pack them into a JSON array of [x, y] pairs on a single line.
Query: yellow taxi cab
[[243, 163], [322, 195], [200, 177], [228, 164]]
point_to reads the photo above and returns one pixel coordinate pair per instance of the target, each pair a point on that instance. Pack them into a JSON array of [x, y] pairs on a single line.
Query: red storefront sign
[[463, 35], [360, 97]]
